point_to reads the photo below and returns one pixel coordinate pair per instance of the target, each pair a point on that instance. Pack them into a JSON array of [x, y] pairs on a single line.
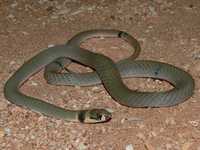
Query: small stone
[[152, 134], [24, 33], [129, 147], [33, 83], [152, 11], [32, 137], [82, 146], [122, 120], [7, 131], [51, 45], [194, 123], [95, 88], [196, 55]]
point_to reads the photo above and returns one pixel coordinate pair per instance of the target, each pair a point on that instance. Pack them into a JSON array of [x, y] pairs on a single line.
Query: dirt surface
[[168, 31]]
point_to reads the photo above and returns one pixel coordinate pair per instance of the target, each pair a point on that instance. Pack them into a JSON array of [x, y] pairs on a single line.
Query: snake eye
[[99, 116]]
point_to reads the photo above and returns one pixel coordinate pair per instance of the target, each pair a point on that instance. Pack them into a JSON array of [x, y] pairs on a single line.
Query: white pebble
[[50, 45], [194, 123], [82, 146], [129, 147], [34, 83], [7, 131], [95, 88]]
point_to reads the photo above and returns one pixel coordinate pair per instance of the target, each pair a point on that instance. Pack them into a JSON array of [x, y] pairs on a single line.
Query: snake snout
[[97, 116]]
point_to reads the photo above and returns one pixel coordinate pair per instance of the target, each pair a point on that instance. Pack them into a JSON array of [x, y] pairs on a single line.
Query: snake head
[[94, 116]]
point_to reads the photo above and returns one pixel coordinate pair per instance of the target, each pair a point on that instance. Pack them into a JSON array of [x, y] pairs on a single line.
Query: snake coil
[[56, 58]]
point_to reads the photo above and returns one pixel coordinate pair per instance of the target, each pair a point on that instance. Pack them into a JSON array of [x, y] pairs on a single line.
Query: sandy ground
[[168, 31]]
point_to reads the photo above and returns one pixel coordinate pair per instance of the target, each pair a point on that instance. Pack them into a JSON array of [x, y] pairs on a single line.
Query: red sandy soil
[[168, 31]]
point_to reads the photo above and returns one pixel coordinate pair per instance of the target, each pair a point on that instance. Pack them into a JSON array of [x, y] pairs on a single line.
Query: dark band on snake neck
[[81, 116]]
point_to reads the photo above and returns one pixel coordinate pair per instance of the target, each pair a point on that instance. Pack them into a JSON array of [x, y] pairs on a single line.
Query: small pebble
[[96, 89], [152, 11], [82, 146], [33, 83], [7, 131], [4, 132], [51, 45], [129, 147], [194, 123], [196, 55], [24, 33], [152, 134], [122, 120]]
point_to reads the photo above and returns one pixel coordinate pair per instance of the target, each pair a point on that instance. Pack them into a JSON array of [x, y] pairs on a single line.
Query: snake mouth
[[106, 119]]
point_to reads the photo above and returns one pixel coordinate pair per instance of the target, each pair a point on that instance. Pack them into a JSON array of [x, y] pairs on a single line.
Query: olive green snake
[[107, 72]]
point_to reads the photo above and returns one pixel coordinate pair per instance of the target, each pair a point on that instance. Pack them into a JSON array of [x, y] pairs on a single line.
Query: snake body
[[106, 73]]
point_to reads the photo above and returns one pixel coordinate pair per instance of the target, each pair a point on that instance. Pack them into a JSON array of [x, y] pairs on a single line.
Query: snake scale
[[110, 74]]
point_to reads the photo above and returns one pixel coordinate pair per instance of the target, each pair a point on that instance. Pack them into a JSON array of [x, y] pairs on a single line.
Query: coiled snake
[[106, 72]]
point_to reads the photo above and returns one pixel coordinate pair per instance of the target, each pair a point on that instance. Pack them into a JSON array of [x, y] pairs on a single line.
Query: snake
[[106, 72]]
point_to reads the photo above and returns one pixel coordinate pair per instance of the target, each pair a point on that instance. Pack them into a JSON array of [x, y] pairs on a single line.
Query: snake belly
[[110, 77]]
